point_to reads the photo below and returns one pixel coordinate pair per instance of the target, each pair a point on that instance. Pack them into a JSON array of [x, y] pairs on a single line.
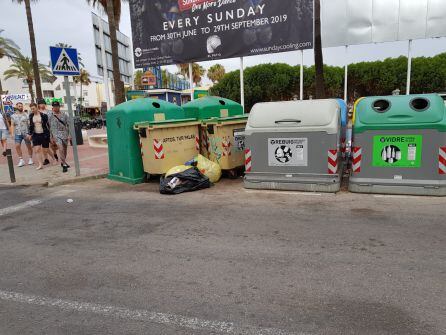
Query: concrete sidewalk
[[93, 162]]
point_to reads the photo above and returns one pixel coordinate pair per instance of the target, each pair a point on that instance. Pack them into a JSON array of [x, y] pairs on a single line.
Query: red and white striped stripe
[[333, 164], [343, 146], [248, 160], [159, 149], [197, 143], [226, 145], [442, 161], [205, 140], [357, 159]]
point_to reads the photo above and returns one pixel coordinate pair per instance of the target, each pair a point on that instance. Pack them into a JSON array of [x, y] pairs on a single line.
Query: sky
[[69, 21]]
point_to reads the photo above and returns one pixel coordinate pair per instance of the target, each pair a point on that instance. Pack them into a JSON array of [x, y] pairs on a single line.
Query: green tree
[[216, 73], [23, 68], [7, 49], [32, 40], [113, 10], [137, 80], [197, 72], [82, 79], [165, 78]]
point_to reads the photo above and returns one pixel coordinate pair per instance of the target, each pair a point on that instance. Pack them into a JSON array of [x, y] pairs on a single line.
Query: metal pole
[[409, 67], [104, 63], [346, 75], [301, 75], [10, 165], [72, 130], [191, 82], [242, 83]]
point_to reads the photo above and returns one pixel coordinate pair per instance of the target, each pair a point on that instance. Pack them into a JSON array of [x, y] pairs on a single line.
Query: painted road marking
[[19, 207], [142, 315], [32, 203]]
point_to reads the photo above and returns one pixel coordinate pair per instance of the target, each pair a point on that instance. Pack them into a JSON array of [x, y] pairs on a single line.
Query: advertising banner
[[397, 151], [183, 31]]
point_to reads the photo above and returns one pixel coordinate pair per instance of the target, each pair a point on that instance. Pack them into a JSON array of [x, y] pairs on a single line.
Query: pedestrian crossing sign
[[64, 61]]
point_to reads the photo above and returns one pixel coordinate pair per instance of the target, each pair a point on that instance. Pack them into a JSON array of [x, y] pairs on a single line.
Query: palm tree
[[83, 79], [7, 49], [216, 73], [23, 68], [318, 56], [165, 75], [197, 72], [137, 79], [113, 9], [32, 39]]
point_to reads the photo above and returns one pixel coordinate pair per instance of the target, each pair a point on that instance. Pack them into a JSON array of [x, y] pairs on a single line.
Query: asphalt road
[[126, 260]]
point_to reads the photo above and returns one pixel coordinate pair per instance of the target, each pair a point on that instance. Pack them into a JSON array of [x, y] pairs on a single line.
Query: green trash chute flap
[[153, 109], [213, 107], [424, 111]]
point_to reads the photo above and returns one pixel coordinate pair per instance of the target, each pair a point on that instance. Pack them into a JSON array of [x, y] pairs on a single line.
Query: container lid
[[229, 119], [400, 112], [297, 116], [213, 107]]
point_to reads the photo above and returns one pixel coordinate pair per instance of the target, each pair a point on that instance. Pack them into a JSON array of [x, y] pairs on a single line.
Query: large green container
[[123, 141], [399, 145], [213, 107]]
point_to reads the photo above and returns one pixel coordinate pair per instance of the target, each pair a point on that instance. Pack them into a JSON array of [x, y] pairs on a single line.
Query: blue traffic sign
[[64, 61]]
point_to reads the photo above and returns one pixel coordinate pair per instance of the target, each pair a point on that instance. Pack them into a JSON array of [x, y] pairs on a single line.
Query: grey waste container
[[294, 145], [399, 145]]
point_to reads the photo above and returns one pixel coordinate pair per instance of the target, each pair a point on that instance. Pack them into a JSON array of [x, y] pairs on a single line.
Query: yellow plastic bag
[[177, 169], [208, 168]]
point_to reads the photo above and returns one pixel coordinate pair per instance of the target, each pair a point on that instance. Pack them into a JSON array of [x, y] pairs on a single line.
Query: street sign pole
[[65, 62], [72, 130]]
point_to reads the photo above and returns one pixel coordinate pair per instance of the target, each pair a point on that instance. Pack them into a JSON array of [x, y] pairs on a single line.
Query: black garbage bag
[[188, 181]]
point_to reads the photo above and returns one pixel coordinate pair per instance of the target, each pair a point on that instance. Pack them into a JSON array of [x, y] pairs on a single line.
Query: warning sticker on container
[[288, 152], [397, 150], [239, 139]]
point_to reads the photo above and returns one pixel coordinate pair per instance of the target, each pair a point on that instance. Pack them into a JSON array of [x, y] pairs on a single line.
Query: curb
[[57, 183], [77, 180]]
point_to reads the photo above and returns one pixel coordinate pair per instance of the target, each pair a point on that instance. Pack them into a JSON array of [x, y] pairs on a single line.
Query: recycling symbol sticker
[[283, 154]]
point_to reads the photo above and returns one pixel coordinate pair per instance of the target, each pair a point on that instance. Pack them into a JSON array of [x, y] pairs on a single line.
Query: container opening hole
[[381, 106], [419, 104], [156, 105], [222, 102]]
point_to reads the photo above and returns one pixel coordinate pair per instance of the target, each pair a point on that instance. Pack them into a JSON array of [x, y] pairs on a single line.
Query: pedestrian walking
[[39, 133], [20, 127], [4, 131], [60, 133], [50, 152]]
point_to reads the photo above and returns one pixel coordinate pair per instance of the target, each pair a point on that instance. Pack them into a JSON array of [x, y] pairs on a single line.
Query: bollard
[[10, 165]]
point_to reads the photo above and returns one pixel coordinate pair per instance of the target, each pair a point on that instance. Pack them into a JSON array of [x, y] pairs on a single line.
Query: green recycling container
[[213, 107], [124, 148], [216, 112], [399, 145]]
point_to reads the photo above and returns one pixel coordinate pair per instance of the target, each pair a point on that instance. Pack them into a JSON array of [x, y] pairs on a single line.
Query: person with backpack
[[60, 133], [47, 152]]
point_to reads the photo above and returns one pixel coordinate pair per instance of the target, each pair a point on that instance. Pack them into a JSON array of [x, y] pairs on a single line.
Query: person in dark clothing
[[39, 133]]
